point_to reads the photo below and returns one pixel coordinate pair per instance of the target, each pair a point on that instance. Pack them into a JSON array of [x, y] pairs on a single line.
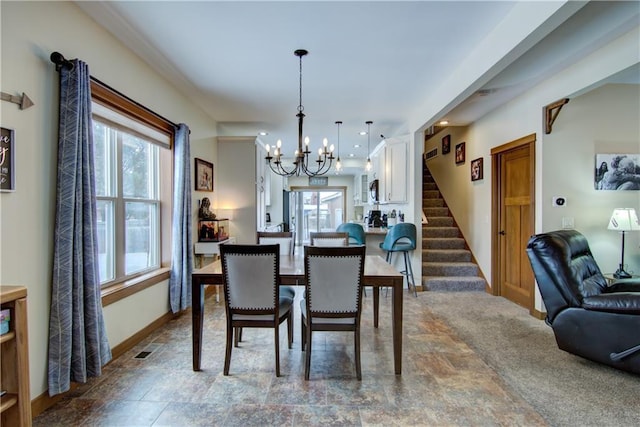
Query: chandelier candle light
[[623, 220], [301, 156]]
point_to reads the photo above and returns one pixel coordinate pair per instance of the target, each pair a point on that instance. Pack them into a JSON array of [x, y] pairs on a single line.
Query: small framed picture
[[204, 175], [476, 169], [446, 144], [7, 159], [460, 153]]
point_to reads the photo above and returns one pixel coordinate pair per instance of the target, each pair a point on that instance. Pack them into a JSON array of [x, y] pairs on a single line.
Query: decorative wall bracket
[[551, 111], [23, 101]]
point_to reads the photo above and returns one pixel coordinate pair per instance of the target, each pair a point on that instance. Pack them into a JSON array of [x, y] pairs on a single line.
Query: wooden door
[[514, 204]]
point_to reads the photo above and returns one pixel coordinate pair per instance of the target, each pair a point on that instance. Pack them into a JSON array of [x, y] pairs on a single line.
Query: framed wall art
[[204, 175], [477, 169], [460, 153], [7, 160], [617, 172], [446, 144]]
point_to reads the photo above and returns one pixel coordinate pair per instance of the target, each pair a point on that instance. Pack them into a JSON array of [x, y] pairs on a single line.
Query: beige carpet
[[565, 389]]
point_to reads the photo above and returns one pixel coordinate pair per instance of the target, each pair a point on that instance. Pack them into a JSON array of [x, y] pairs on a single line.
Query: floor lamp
[[623, 220]]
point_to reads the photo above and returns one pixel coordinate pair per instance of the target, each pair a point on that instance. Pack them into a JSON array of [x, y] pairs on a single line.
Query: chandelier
[[301, 157]]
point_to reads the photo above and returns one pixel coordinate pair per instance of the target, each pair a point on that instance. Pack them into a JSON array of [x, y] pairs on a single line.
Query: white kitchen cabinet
[[396, 171], [360, 190], [364, 189]]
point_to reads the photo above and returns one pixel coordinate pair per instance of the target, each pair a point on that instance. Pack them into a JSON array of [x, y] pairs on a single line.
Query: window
[[133, 187]]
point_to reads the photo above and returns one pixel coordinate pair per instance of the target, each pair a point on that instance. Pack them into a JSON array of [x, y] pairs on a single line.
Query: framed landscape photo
[[477, 169], [204, 175], [460, 153], [446, 144]]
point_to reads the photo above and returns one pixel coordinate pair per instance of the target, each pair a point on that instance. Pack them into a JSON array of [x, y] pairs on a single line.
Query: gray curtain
[[182, 250], [78, 345]]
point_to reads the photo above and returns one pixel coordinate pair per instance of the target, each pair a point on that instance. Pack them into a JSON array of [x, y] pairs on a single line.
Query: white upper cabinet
[[360, 190], [396, 170], [390, 168]]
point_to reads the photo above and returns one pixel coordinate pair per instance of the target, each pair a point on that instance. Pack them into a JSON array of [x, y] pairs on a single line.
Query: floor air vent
[[148, 350]]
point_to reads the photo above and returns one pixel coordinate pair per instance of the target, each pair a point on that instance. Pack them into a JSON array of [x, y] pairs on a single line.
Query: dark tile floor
[[443, 382]]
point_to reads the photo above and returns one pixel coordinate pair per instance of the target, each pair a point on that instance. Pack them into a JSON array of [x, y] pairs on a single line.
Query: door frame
[[496, 206]]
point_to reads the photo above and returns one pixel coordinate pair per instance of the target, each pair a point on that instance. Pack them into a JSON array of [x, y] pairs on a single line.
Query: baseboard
[[44, 401], [540, 315]]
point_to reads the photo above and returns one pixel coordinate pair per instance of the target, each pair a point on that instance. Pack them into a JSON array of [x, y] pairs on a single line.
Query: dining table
[[377, 273]]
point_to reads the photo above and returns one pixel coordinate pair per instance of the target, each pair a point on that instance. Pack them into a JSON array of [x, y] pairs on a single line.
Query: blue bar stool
[[402, 238], [356, 233]]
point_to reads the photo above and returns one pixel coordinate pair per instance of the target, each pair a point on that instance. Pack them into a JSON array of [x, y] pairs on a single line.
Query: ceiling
[[403, 65]]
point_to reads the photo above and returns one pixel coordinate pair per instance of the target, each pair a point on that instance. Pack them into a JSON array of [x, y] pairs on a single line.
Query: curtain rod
[[60, 61]]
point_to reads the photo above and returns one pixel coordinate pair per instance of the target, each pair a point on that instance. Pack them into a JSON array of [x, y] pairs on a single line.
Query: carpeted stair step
[[438, 221], [442, 243], [449, 269], [431, 194], [429, 186], [432, 203], [446, 255], [441, 232], [453, 283], [435, 211]]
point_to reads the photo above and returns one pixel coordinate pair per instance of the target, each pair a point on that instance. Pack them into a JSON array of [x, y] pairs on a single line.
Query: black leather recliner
[[589, 318]]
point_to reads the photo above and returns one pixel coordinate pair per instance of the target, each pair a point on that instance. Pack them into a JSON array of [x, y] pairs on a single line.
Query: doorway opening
[[316, 210]]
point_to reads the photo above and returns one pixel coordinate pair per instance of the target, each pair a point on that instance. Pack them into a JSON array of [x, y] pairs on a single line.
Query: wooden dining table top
[[376, 271]]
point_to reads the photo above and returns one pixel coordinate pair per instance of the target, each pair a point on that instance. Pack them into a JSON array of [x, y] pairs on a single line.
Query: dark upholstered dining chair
[[252, 294], [333, 295]]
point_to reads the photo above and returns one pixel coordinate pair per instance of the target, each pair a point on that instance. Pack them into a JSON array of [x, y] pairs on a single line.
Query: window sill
[[125, 289]]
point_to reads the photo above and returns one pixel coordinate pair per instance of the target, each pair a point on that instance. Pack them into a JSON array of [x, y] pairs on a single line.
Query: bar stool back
[[356, 233]]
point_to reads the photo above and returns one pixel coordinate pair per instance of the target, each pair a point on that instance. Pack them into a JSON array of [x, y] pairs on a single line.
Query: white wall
[[599, 122], [470, 202], [236, 185], [30, 32]]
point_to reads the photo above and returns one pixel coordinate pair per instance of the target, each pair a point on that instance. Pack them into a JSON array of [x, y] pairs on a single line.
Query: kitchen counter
[[376, 231], [375, 236]]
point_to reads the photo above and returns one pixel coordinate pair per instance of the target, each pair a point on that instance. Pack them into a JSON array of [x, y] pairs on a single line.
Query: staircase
[[446, 262]]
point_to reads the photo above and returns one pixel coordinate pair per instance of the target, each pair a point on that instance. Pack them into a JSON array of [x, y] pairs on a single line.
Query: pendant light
[[338, 163], [368, 166]]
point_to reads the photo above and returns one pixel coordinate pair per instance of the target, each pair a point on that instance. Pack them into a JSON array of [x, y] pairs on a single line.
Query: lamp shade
[[624, 219]]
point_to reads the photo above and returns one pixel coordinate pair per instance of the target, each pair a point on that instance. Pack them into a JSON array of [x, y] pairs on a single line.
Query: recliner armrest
[[624, 285], [614, 302]]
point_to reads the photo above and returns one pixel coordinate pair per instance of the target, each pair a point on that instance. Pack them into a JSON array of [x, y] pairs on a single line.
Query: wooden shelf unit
[[15, 405]]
